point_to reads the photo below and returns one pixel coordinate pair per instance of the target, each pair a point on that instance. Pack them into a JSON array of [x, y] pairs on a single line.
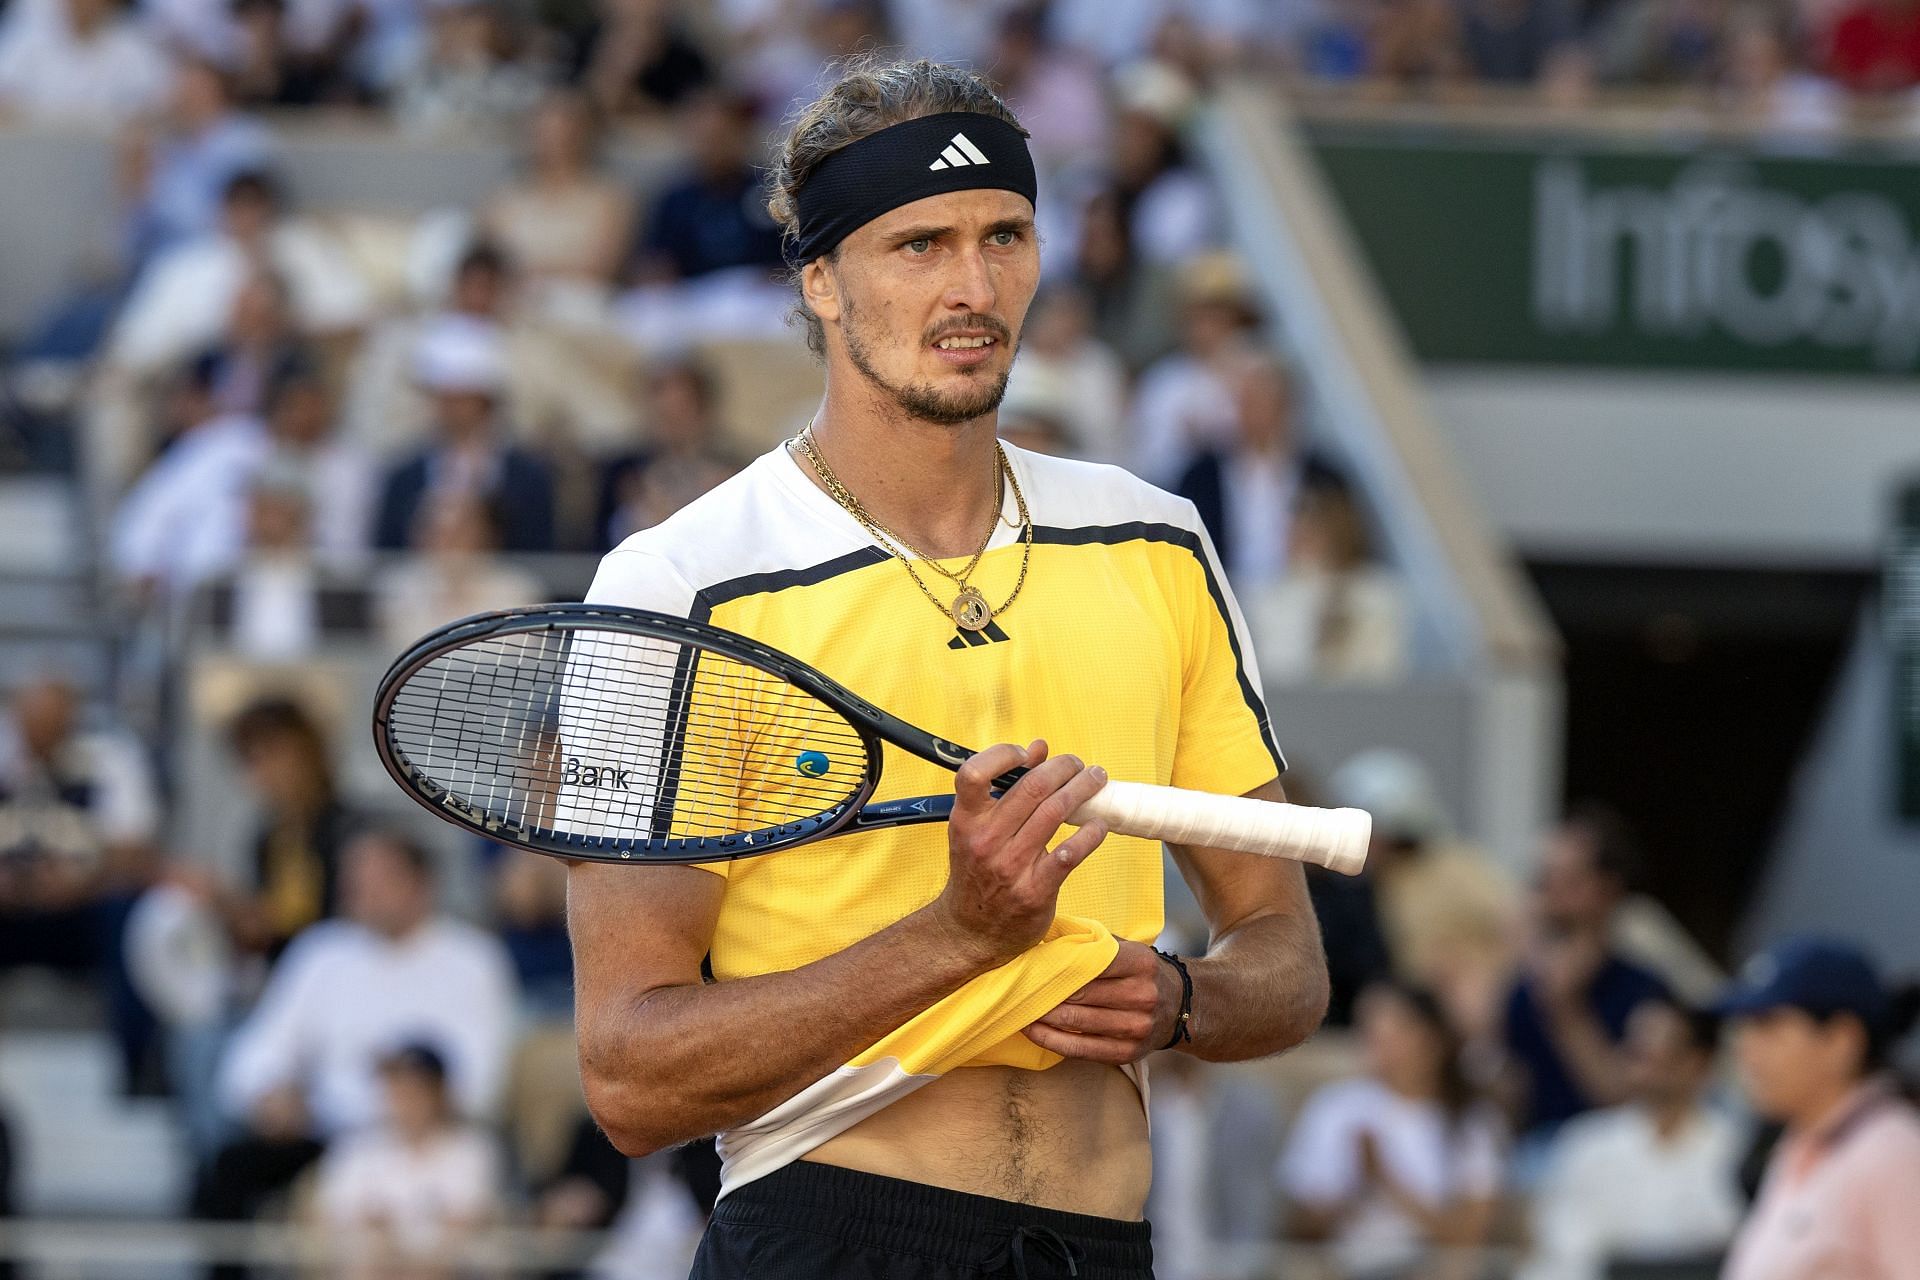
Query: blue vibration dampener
[[813, 763]]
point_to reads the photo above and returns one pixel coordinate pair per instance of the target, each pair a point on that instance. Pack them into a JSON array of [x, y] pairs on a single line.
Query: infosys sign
[[1554, 254]]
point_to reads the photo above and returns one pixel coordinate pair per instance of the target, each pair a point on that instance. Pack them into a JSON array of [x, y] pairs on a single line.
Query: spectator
[[714, 216], [1246, 488], [1419, 42], [1567, 1013], [1335, 616], [1815, 1030], [303, 1069], [530, 915], [78, 813], [563, 221], [462, 367], [1132, 299], [1403, 1159], [453, 572], [1765, 77], [1058, 349], [1185, 403], [401, 1196], [273, 606], [1652, 1181], [590, 1186], [1662, 42], [205, 142], [638, 56], [304, 825], [1034, 413], [185, 298], [85, 63], [1057, 94], [1874, 46], [685, 456], [262, 343], [152, 544], [1511, 41], [267, 72], [1447, 914], [467, 75], [1172, 215]]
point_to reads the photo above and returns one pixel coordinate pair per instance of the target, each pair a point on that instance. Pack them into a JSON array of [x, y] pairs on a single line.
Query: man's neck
[[936, 486], [1670, 1118], [1822, 1111]]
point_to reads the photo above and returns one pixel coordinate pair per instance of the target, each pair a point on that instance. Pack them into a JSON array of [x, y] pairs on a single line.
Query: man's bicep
[[637, 929], [1233, 888]]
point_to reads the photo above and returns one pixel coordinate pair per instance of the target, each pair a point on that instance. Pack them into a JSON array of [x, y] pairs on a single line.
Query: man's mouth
[[960, 342]]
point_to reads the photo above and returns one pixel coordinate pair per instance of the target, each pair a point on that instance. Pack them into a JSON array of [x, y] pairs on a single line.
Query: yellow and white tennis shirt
[[1124, 647]]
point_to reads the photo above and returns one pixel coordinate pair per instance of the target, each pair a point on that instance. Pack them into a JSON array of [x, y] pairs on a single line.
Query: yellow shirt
[[1124, 647]]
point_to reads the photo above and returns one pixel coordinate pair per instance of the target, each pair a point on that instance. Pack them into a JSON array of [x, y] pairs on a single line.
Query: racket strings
[[613, 736]]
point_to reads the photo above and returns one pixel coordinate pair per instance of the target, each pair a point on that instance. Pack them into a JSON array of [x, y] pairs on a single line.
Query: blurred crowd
[[295, 425]]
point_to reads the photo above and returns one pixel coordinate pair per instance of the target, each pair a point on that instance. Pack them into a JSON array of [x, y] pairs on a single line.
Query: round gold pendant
[[970, 609]]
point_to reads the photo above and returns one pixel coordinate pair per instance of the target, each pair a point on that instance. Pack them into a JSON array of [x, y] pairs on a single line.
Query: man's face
[[1572, 893], [1663, 1065], [925, 303], [380, 889]]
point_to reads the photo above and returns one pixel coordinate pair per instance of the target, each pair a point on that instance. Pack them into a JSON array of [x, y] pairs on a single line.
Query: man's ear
[[820, 289]]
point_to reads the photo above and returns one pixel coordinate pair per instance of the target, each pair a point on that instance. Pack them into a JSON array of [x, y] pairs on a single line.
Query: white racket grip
[[1333, 838]]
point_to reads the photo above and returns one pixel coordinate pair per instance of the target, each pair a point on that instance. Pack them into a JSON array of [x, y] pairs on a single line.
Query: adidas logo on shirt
[[959, 154]]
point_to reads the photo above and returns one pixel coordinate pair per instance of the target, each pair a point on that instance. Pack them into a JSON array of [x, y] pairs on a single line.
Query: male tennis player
[[1065, 610]]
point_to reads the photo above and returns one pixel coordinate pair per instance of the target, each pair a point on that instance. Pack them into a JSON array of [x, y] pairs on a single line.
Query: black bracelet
[[1183, 1024]]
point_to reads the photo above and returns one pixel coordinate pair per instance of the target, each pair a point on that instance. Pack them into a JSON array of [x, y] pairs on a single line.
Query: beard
[[922, 400]]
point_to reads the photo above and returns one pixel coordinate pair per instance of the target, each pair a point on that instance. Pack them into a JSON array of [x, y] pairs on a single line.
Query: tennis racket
[[608, 734]]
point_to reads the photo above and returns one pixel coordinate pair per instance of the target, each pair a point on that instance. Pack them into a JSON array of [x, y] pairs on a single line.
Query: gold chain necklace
[[969, 609]]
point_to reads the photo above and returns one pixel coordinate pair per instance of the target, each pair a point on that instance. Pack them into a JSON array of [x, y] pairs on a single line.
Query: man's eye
[[1004, 238], [918, 246]]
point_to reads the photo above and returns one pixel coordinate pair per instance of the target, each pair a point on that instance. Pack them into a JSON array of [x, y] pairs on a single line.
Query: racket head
[[606, 734]]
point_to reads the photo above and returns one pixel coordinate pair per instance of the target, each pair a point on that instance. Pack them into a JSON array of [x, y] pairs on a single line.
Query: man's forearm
[[683, 1061], [1261, 988]]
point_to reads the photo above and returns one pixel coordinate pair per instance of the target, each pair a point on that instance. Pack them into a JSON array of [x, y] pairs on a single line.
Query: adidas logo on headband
[[959, 154]]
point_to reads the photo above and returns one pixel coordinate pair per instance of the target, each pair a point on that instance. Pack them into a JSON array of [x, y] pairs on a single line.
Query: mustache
[[989, 324]]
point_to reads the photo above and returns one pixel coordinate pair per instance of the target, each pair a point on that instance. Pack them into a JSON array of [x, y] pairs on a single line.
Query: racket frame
[[853, 813]]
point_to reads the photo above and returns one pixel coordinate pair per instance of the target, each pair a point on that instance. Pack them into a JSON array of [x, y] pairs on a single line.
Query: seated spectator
[[401, 1196], [85, 62], [1512, 41], [270, 605], [1448, 915], [78, 813], [590, 1186], [1034, 412], [1087, 381], [1816, 1032], [1567, 1014], [1172, 215], [1132, 299], [1057, 93], [1402, 1160], [714, 216], [1419, 42], [685, 456], [204, 142], [1662, 42], [564, 222], [184, 301], [638, 56], [1246, 488], [1652, 1181], [262, 343], [304, 1068], [1184, 404], [467, 74], [461, 365], [1335, 615], [530, 915], [452, 574], [1874, 46], [1766, 77], [267, 70]]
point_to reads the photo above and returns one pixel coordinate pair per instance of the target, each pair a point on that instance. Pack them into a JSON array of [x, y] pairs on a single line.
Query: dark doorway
[[1691, 693]]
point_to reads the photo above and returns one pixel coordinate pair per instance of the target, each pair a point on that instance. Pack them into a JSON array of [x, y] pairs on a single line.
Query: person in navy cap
[[1815, 1030]]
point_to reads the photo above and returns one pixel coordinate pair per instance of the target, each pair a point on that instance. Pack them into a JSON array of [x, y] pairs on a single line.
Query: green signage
[[1577, 251]]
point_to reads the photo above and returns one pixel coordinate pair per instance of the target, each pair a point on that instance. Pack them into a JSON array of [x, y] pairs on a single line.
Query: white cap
[[1156, 90], [1396, 789], [460, 353], [1035, 389]]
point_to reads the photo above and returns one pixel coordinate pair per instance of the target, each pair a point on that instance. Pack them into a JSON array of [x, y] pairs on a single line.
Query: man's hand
[[1003, 870], [1121, 1016]]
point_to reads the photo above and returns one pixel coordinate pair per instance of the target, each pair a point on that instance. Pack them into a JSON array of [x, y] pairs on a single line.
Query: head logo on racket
[[813, 763]]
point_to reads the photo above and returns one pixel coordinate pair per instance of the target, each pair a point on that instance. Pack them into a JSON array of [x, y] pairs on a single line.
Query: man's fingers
[[973, 781], [1093, 1020], [1055, 865], [1034, 793], [1092, 1048], [1116, 993], [1052, 812]]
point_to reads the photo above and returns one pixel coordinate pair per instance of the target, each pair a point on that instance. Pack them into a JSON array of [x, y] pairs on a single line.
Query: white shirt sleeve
[[272, 1048], [1567, 1221], [1321, 1162], [1480, 1171], [639, 579], [128, 808], [482, 1037]]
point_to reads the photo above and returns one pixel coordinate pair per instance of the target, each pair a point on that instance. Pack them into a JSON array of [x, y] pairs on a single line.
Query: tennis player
[[1071, 613]]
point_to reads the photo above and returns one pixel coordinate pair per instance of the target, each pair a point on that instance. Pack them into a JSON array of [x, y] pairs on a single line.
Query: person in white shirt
[[84, 63], [401, 1194], [303, 1069], [1403, 1160], [1184, 403], [1652, 1181]]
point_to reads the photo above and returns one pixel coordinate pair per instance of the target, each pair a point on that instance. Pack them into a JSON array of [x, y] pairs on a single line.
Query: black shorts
[[819, 1222]]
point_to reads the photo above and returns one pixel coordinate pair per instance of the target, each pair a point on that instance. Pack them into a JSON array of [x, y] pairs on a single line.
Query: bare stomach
[[1072, 1138]]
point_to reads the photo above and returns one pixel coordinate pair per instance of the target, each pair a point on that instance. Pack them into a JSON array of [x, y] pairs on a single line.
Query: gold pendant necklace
[[969, 609]]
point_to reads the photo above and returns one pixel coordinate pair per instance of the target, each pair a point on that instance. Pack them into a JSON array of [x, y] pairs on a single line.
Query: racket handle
[[1332, 838]]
